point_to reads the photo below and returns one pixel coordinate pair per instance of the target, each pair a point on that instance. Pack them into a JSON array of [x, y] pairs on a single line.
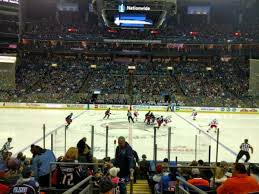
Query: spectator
[[221, 174], [167, 184], [41, 164], [240, 182], [143, 167], [106, 185], [197, 181], [135, 165], [67, 175], [117, 184], [84, 151], [159, 173], [124, 158], [4, 189], [26, 184], [205, 173]]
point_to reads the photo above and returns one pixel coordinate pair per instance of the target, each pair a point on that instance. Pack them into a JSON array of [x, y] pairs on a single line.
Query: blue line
[[49, 133], [214, 139]]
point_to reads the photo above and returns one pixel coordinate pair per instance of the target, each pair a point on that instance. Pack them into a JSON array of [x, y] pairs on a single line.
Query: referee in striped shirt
[[244, 151]]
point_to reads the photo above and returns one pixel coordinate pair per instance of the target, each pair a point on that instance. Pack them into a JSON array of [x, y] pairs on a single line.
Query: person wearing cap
[[26, 184], [240, 182], [117, 184], [197, 181]]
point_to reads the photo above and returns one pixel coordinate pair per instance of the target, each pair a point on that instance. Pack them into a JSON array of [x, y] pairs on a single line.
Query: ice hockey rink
[[25, 127]]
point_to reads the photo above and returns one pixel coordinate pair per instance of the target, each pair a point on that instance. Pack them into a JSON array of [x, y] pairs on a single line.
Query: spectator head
[[84, 139], [105, 185], [19, 155], [246, 140], [194, 163], [159, 169], [200, 163], [165, 160], [144, 157], [6, 156], [121, 142], [114, 171], [13, 164], [224, 165], [35, 149], [195, 172], [71, 154], [239, 168], [27, 172], [9, 139]]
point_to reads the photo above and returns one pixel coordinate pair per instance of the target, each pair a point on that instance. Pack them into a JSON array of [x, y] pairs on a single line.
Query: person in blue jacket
[[41, 164]]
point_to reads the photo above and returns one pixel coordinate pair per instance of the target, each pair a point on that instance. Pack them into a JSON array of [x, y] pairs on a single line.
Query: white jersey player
[[136, 114], [213, 124], [194, 115]]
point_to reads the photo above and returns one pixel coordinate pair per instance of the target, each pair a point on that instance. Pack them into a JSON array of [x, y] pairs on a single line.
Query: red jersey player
[[159, 121], [213, 124]]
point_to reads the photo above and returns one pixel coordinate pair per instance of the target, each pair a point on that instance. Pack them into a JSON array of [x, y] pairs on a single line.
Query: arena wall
[[127, 107]]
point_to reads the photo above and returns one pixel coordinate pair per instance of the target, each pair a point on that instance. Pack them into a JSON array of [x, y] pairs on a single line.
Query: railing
[[181, 190], [87, 190]]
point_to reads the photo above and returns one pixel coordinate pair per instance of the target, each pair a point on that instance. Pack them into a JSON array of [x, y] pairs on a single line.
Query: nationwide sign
[[137, 8], [122, 8]]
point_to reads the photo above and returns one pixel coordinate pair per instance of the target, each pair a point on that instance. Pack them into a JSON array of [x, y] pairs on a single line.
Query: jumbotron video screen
[[134, 15]]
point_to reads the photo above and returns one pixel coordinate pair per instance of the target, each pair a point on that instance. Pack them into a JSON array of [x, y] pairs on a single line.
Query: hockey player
[[159, 121], [147, 117], [194, 114], [69, 120], [129, 114], [152, 118], [167, 120], [213, 124], [135, 114], [107, 113]]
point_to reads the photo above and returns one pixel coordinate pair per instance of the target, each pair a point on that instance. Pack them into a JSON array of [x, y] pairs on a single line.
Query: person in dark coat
[[84, 151], [135, 164], [124, 158]]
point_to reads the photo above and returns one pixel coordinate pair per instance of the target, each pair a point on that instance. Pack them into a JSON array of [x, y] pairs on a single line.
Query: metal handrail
[[199, 191], [77, 186]]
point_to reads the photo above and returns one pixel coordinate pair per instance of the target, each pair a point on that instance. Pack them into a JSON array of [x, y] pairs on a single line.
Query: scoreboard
[[129, 15]]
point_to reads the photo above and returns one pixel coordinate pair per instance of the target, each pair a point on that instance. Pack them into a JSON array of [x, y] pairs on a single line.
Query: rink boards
[[232, 110]]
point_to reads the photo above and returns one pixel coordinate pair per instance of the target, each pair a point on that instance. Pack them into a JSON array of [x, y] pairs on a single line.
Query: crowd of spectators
[[70, 25], [79, 80], [220, 178], [33, 173]]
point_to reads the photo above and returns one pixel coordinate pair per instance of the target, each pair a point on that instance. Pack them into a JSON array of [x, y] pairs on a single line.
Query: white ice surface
[[25, 127]]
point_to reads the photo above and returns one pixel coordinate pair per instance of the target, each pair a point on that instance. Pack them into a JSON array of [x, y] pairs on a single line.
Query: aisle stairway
[[141, 187]]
